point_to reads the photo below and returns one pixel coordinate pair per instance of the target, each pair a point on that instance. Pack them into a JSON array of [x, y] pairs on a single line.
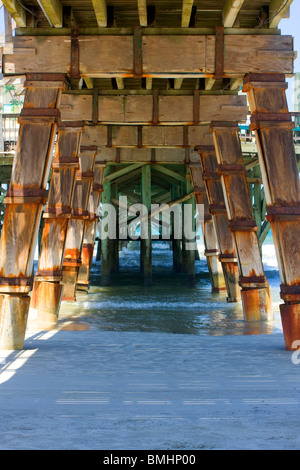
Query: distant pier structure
[[148, 99]]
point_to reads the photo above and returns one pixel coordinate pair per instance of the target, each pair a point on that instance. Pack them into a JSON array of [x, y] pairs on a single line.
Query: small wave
[[269, 256], [132, 305]]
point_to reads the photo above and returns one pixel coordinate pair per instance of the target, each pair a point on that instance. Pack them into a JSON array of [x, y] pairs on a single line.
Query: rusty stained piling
[[48, 288], [24, 202], [218, 213], [256, 295], [210, 241], [82, 190], [90, 227], [273, 126]]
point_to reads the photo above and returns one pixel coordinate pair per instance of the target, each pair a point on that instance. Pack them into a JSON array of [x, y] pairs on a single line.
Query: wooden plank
[[142, 7], [187, 7], [127, 31], [112, 56], [277, 11], [53, 12], [138, 109], [17, 12], [100, 9], [265, 55], [152, 136], [230, 12]]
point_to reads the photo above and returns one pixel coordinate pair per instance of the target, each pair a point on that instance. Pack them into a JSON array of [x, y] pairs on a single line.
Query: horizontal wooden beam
[[158, 56], [147, 137], [170, 156], [152, 109], [128, 31]]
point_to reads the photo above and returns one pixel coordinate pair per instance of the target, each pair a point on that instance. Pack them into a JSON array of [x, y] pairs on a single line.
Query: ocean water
[[170, 305]]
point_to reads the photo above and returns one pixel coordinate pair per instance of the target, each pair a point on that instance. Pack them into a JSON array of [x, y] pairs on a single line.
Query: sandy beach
[[92, 389]]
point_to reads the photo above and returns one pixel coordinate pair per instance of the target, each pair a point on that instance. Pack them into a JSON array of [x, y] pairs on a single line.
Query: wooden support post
[[146, 238], [106, 263], [24, 202], [114, 244], [82, 190], [188, 252], [255, 288], [90, 227], [218, 214], [209, 235], [47, 288], [176, 243], [272, 124]]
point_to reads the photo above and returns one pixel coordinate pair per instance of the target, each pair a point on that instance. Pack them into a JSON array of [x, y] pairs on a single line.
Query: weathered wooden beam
[[16, 11], [147, 137], [100, 9], [142, 7], [150, 31], [277, 11], [103, 56], [53, 12], [230, 12], [144, 109], [187, 6]]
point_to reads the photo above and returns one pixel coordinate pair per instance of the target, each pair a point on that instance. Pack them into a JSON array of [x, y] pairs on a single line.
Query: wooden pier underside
[[143, 99]]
